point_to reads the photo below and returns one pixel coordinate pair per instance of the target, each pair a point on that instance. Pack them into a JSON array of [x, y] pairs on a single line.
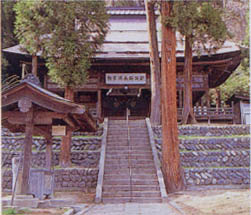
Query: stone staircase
[[129, 172]]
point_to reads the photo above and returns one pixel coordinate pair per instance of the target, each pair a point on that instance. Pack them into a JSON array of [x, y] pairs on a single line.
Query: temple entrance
[[115, 102]]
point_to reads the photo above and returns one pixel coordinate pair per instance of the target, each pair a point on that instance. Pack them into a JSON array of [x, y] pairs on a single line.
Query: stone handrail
[[156, 161], [98, 197]]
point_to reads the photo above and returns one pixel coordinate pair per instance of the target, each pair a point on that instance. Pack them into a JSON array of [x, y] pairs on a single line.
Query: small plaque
[[58, 130]]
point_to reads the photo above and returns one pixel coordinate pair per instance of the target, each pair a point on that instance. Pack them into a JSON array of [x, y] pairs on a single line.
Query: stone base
[[26, 201]]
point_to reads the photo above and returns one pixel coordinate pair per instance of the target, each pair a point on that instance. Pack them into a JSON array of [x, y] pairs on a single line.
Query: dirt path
[[213, 202]]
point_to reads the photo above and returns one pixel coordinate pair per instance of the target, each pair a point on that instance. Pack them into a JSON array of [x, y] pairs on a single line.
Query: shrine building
[[119, 77]]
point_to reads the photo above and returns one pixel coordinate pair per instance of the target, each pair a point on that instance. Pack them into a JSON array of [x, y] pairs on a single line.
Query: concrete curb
[[98, 197], [156, 162]]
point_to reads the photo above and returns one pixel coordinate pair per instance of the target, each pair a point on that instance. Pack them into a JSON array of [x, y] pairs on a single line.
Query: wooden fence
[[211, 113]]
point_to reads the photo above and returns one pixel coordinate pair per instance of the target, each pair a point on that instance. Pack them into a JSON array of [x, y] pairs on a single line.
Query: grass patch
[[186, 137], [13, 211]]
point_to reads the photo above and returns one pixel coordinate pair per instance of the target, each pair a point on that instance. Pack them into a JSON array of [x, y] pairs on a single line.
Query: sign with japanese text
[[125, 78]]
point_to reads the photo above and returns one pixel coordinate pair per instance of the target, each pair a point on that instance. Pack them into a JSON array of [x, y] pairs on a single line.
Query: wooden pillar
[[99, 105], [34, 65], [45, 81], [49, 153], [207, 98], [29, 126], [180, 99], [65, 153]]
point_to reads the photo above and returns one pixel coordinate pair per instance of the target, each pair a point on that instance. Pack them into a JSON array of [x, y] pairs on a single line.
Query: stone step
[[134, 151], [125, 156], [143, 188], [133, 176], [133, 199], [149, 170], [128, 182], [132, 166], [125, 140], [125, 128], [125, 148], [147, 194], [131, 143], [125, 137], [133, 162]]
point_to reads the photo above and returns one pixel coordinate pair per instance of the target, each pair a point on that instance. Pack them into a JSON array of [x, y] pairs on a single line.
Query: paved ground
[[130, 209]]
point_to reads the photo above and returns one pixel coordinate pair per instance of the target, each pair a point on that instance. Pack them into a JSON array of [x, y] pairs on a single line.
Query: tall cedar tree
[[155, 63], [171, 166], [8, 36], [204, 30], [68, 33]]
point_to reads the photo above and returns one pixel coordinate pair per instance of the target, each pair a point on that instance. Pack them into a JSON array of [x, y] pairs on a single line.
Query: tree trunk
[[155, 116], [188, 114], [171, 167], [65, 154], [27, 152], [34, 65]]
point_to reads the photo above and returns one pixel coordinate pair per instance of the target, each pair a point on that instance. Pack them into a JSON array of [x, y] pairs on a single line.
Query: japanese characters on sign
[[125, 78]]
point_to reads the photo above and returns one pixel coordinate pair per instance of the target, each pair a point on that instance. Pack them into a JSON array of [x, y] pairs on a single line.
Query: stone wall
[[88, 159], [197, 130], [85, 155], [15, 143], [211, 160], [84, 179]]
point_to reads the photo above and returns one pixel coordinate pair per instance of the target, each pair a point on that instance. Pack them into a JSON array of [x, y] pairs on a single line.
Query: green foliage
[[237, 83], [12, 211], [245, 63], [29, 25], [8, 19], [9, 211], [8, 37], [200, 22], [67, 32]]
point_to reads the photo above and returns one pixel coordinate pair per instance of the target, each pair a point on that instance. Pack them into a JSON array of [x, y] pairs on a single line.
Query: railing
[[211, 113], [129, 151]]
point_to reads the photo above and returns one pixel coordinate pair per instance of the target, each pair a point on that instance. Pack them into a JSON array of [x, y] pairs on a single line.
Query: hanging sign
[[125, 78], [58, 130]]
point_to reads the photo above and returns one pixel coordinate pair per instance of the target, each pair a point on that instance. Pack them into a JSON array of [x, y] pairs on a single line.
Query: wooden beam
[[40, 118], [45, 132], [70, 122], [30, 63], [210, 62]]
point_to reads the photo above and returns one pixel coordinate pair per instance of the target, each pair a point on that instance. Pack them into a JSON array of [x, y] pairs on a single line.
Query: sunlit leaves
[[67, 32], [200, 22]]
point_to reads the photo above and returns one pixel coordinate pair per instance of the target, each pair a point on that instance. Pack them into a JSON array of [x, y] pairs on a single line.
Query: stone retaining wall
[[88, 159], [210, 130], [84, 179], [217, 176], [85, 155], [78, 143], [213, 160], [99, 132], [196, 144]]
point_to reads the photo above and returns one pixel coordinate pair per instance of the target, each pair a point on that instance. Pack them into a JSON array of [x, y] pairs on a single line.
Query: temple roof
[[47, 104], [127, 40]]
